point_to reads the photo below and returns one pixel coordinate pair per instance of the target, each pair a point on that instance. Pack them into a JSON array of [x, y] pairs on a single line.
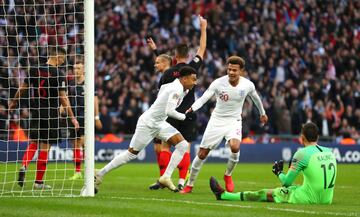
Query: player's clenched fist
[[203, 22], [263, 119]]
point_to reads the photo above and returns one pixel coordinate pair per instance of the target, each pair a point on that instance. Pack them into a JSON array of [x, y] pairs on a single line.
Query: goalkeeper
[[318, 165]]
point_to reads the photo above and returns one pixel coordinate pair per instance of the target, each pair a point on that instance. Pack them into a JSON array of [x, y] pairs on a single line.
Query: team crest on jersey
[[242, 93], [176, 96]]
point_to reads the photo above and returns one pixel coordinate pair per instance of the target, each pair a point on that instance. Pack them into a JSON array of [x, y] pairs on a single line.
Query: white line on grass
[[232, 205]]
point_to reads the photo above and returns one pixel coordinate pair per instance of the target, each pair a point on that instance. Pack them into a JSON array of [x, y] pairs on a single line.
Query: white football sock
[[195, 169], [176, 157], [118, 160], [232, 162], [181, 182]]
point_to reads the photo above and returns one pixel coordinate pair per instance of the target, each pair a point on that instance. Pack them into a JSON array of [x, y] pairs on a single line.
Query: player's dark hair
[[182, 50], [57, 51], [166, 57], [186, 70], [236, 60], [310, 132]]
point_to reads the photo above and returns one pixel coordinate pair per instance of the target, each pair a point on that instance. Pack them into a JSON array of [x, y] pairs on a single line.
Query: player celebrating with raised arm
[[46, 85], [186, 128], [77, 100], [152, 123], [225, 121], [317, 163]]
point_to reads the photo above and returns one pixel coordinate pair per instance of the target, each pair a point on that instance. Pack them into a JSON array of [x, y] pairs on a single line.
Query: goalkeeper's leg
[[264, 195]]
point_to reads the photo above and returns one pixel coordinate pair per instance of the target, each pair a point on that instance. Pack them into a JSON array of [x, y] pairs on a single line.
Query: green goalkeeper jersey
[[319, 167]]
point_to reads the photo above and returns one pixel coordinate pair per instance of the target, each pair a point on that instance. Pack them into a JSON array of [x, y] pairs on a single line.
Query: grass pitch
[[124, 192]]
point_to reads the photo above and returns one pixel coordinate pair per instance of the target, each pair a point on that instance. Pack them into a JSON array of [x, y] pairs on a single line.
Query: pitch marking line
[[233, 205]]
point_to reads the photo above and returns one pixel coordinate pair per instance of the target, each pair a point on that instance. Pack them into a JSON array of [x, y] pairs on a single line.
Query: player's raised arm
[[202, 48], [152, 45], [64, 100]]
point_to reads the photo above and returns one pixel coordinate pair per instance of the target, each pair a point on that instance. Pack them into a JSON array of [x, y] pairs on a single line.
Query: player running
[[46, 85], [225, 121], [152, 123], [317, 163], [188, 127]]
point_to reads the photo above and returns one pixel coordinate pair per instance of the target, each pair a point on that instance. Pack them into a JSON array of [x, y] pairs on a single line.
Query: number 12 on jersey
[[330, 168]]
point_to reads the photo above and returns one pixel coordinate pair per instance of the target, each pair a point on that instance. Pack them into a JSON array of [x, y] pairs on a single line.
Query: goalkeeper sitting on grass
[[318, 165]]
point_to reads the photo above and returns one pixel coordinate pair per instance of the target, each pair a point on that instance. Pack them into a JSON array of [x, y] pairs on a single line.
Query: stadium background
[[302, 56]]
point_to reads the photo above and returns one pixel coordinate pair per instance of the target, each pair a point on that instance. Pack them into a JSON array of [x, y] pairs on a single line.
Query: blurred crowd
[[303, 56]]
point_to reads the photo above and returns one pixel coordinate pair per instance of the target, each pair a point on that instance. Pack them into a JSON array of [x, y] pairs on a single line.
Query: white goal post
[[89, 98]]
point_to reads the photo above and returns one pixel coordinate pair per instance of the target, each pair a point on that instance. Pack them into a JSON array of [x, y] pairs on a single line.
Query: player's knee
[[203, 153], [235, 148]]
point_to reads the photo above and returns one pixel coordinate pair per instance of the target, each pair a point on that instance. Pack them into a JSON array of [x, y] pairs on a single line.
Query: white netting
[[29, 31]]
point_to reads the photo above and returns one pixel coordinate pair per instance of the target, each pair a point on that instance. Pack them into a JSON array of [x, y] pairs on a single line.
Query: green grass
[[124, 192]]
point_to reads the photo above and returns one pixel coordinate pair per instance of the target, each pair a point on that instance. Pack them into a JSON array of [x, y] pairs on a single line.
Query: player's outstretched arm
[[204, 98], [202, 48], [18, 95], [64, 100]]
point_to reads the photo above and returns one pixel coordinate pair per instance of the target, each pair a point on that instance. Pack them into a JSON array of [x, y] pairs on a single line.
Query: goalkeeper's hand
[[278, 167]]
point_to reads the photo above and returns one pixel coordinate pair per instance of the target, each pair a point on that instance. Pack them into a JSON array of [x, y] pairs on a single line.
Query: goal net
[[41, 88]]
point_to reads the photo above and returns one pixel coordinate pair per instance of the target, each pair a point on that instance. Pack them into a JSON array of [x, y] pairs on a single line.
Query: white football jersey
[[229, 99], [168, 99]]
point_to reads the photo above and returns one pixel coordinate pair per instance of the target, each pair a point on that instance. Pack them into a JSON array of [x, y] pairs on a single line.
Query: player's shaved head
[[182, 51], [310, 131], [236, 60]]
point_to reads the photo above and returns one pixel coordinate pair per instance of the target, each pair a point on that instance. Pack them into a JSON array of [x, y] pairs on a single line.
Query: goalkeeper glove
[[278, 167]]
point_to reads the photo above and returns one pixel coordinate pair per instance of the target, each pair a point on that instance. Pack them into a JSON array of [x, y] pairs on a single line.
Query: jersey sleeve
[[196, 62], [205, 97], [256, 99], [171, 105], [298, 163]]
